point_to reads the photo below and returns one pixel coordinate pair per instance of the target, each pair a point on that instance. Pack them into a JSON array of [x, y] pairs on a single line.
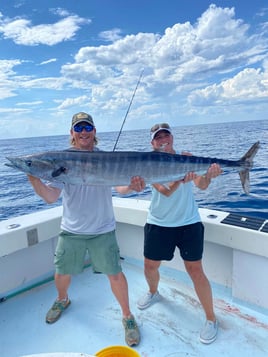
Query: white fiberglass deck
[[169, 328]]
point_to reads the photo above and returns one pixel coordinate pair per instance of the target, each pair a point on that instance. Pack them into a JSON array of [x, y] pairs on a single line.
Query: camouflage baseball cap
[[81, 116]]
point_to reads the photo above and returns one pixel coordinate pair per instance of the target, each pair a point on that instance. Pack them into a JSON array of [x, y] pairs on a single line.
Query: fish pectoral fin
[[59, 171]]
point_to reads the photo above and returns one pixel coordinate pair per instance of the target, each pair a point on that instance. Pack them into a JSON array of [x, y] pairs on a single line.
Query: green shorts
[[102, 249]]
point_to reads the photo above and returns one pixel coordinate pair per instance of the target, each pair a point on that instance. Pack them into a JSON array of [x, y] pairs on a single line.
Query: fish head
[[32, 165]]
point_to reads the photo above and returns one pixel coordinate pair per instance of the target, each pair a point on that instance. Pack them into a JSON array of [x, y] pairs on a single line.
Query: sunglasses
[[160, 126], [78, 128]]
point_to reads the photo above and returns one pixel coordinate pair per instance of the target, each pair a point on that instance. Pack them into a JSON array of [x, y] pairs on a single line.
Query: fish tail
[[247, 162]]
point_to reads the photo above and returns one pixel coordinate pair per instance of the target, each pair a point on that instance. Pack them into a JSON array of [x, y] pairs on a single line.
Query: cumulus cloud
[[126, 51], [218, 60], [249, 85], [217, 41], [184, 59]]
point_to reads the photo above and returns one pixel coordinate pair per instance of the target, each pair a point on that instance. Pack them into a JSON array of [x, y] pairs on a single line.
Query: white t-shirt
[[86, 209]]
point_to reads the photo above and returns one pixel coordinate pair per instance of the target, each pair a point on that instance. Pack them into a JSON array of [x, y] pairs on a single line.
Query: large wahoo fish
[[117, 167]]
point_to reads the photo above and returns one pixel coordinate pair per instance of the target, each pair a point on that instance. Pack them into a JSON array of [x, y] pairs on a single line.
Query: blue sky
[[202, 62]]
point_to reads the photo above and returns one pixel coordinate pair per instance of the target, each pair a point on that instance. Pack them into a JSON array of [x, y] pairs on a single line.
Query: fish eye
[[28, 163]]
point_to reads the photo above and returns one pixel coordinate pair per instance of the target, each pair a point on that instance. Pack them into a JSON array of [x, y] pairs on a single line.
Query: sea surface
[[223, 140]]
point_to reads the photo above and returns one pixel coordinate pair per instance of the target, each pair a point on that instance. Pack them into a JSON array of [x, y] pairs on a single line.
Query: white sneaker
[[147, 300], [209, 332]]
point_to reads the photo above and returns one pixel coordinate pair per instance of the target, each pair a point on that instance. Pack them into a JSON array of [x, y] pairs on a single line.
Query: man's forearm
[[47, 193]]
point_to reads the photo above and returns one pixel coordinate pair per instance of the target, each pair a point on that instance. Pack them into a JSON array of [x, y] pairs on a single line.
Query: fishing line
[[128, 109]]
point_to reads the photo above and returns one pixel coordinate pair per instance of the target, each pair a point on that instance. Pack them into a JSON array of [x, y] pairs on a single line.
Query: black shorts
[[160, 242]]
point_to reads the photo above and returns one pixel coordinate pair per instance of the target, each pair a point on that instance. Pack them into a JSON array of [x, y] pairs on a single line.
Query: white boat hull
[[235, 258], [235, 261]]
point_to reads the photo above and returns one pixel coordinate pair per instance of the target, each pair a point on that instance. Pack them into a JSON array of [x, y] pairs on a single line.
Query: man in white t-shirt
[[88, 224]]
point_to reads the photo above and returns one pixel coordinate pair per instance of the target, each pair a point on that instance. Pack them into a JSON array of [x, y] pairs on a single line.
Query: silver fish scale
[[117, 168]]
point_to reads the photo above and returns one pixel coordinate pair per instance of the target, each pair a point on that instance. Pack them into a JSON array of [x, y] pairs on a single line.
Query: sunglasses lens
[[154, 128], [79, 128], [160, 126]]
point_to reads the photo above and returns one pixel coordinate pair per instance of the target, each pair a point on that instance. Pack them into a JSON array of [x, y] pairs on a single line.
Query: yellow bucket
[[117, 351]]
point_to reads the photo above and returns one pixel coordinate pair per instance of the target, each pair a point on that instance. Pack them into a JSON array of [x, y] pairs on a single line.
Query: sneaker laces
[[59, 304], [130, 324]]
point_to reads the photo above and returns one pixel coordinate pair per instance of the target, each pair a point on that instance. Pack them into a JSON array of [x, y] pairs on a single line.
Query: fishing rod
[[128, 109]]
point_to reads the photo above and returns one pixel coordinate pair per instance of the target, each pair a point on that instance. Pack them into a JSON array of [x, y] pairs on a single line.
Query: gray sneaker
[[147, 300], [54, 313], [132, 333], [209, 332]]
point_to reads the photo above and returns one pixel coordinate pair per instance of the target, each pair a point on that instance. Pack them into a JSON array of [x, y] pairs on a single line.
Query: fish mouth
[[12, 162], [9, 164]]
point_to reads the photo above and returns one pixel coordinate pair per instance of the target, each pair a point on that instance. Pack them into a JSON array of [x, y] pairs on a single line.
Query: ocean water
[[222, 140]]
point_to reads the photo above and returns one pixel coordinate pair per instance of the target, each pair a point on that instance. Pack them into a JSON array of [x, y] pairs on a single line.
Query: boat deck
[[170, 328]]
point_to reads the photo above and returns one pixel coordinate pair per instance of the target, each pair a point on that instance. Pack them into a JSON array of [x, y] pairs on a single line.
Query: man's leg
[[119, 287]]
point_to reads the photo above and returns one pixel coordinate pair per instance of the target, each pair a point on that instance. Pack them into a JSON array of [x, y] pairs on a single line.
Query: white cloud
[[22, 32], [69, 102], [14, 111], [53, 83], [48, 61], [216, 42], [8, 78], [192, 68], [262, 12], [11, 82], [60, 11], [126, 51], [187, 57], [6, 67], [36, 102], [249, 85], [111, 35]]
